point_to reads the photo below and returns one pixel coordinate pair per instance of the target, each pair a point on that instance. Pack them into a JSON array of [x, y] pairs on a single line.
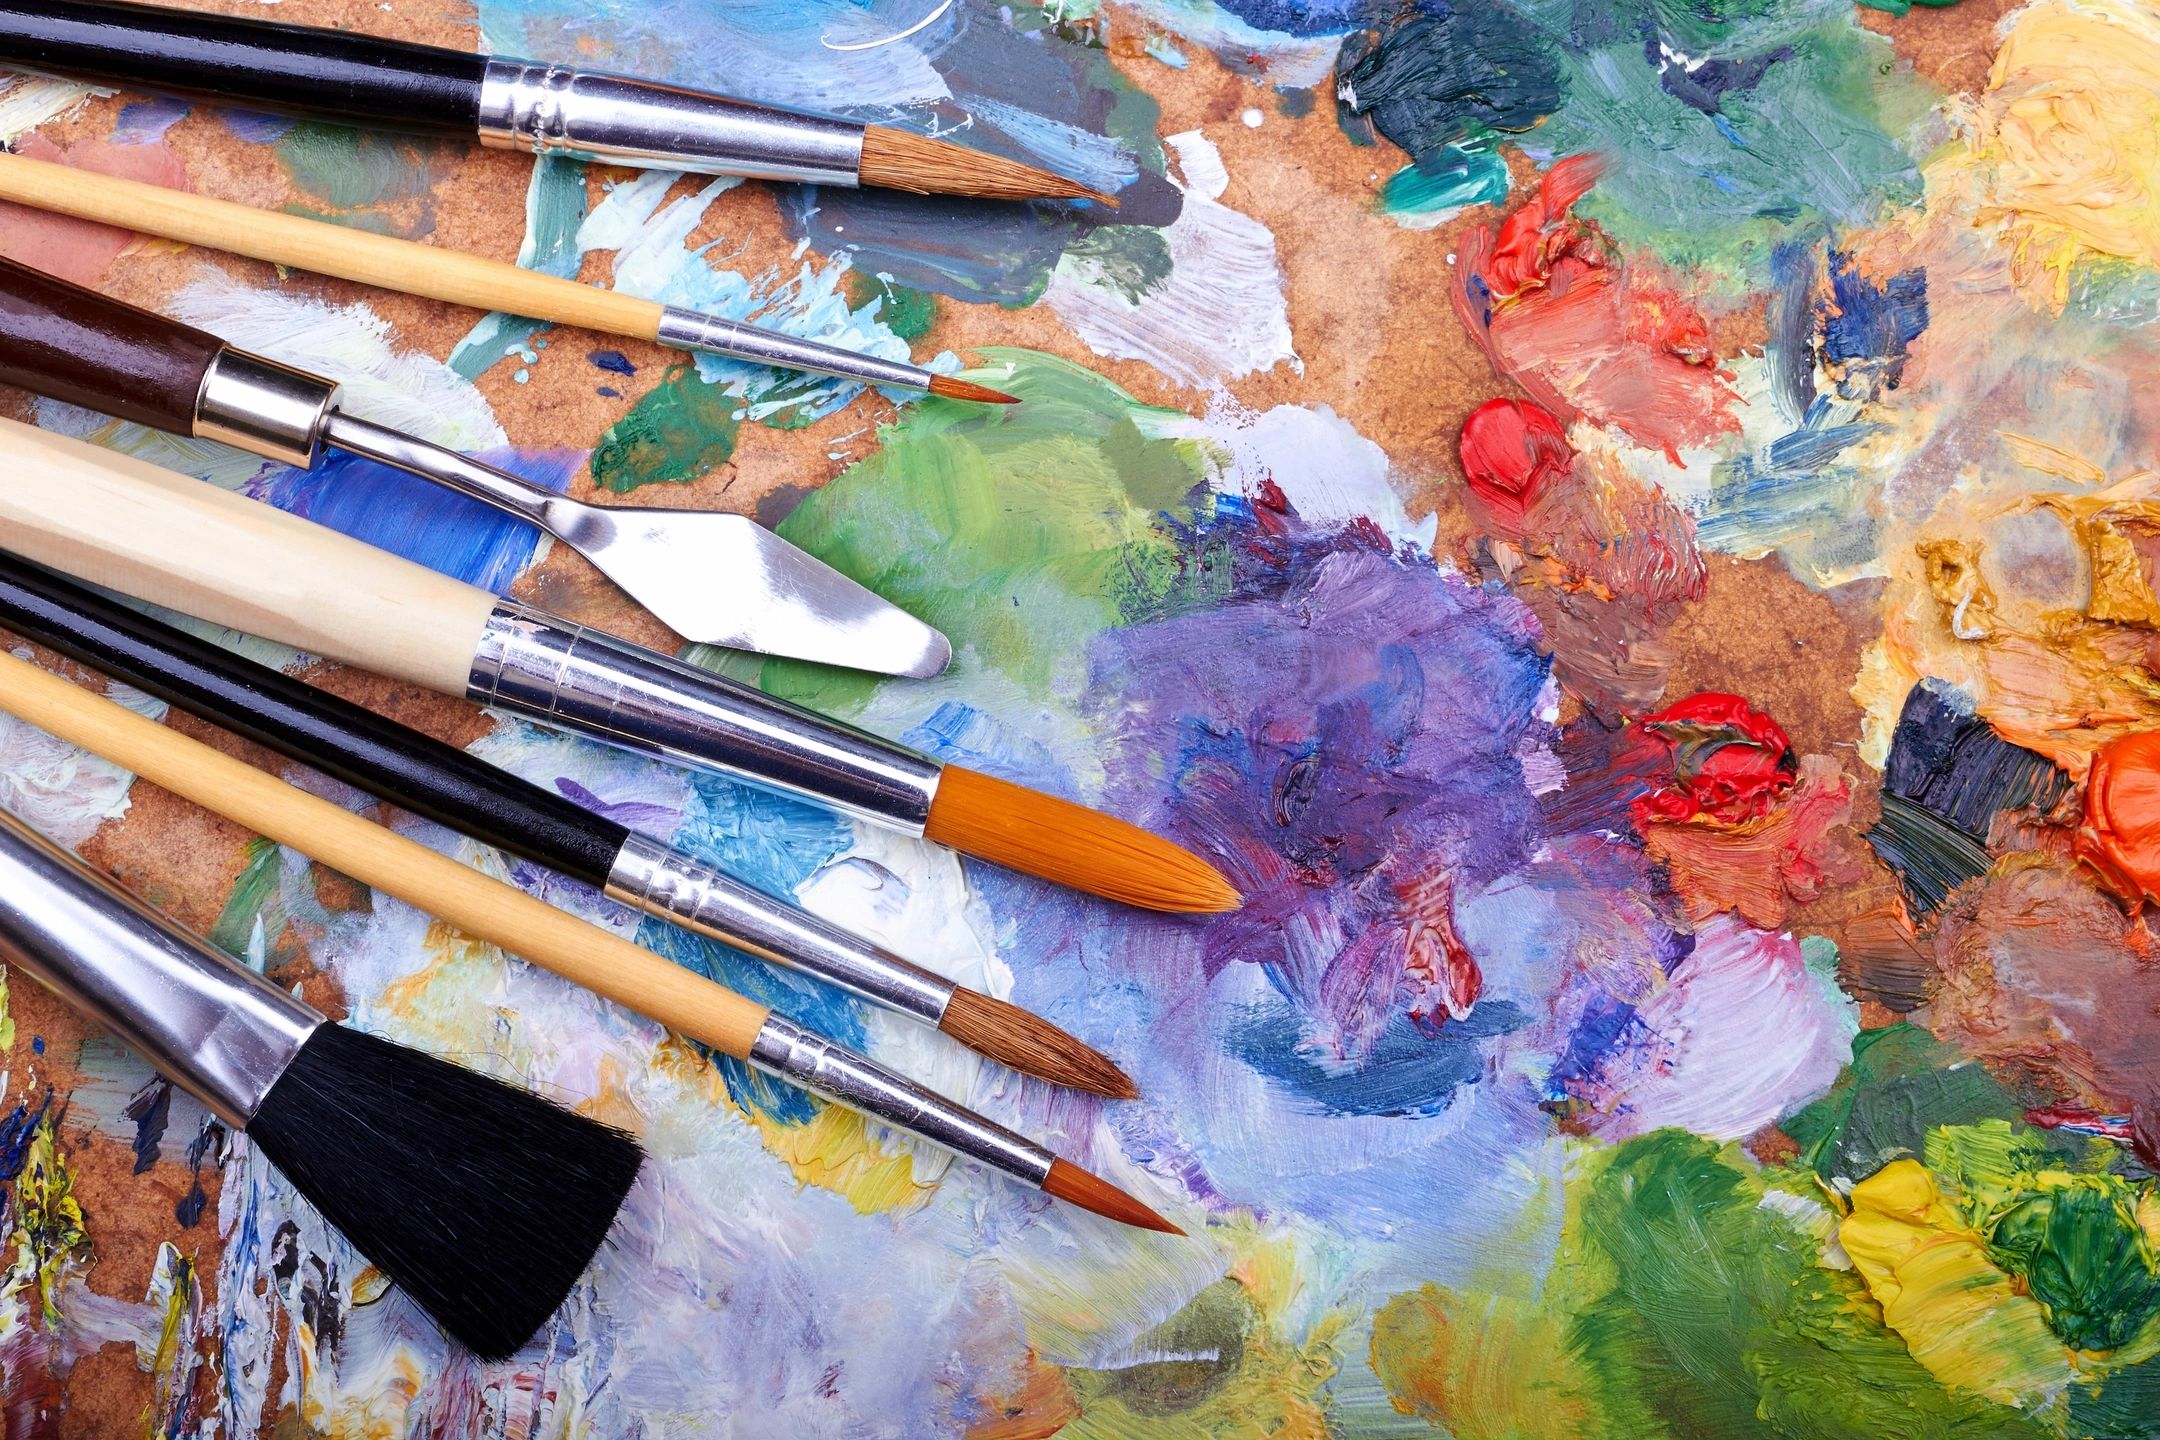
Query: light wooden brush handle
[[192, 547], [325, 249], [482, 908]]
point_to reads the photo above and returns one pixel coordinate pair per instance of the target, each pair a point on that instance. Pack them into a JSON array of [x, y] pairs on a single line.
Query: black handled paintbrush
[[505, 103], [465, 793], [483, 1202]]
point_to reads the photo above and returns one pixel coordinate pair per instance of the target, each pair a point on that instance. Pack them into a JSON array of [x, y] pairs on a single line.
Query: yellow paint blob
[[836, 1152], [2063, 149], [1961, 1317]]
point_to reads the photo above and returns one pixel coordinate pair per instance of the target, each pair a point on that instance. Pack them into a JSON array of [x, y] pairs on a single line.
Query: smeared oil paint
[[2121, 828], [362, 178], [1565, 315], [65, 792], [77, 250], [1212, 310], [1432, 192], [678, 433], [1431, 78]]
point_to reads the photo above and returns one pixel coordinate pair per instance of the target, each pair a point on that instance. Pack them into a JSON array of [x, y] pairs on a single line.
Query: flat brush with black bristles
[[466, 794], [482, 1202], [539, 107], [190, 546]]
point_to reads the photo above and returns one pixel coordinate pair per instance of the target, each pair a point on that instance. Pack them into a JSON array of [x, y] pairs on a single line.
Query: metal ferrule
[[668, 884], [688, 330], [618, 120], [265, 408], [844, 1077], [220, 1032], [546, 668]]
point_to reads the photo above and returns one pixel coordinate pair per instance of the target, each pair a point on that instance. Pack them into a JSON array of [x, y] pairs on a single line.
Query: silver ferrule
[[689, 330], [619, 120], [219, 1031], [843, 1076], [264, 408], [666, 883], [546, 668]]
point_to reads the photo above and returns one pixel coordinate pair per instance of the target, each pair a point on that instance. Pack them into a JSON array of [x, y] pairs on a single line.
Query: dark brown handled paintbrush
[[509, 104], [465, 793], [482, 1202], [490, 911], [193, 547]]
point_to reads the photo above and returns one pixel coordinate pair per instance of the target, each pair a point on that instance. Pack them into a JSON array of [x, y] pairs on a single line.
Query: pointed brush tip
[[1092, 1193], [954, 388], [1022, 1040]]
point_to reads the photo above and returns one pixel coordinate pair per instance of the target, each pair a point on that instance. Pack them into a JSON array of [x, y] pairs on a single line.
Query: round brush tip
[[1028, 1043], [1070, 1183], [953, 387]]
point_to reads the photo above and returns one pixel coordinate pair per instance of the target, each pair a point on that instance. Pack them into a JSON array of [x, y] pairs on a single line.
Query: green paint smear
[[1131, 259], [1461, 176], [1902, 1083], [2121, 1407], [555, 209], [908, 313], [348, 170], [678, 433], [1693, 1310], [1814, 142], [2080, 1252], [257, 897], [1024, 528], [1904, 7]]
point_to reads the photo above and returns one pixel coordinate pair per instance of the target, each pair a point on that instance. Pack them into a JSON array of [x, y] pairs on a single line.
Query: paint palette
[[1628, 531]]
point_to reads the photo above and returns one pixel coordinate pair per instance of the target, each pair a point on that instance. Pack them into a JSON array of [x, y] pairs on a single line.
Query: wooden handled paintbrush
[[192, 547], [715, 578], [488, 910], [429, 271], [465, 793], [505, 103], [482, 1202]]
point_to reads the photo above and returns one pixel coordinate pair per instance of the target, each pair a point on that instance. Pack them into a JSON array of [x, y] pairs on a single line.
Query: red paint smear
[[2121, 834], [79, 250], [1730, 762], [1512, 453], [1445, 981], [1762, 868], [1559, 314], [2083, 1122]]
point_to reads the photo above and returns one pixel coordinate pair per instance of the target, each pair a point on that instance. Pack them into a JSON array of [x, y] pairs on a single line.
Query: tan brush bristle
[[901, 160], [953, 388], [1070, 1183], [1071, 844], [1032, 1045]]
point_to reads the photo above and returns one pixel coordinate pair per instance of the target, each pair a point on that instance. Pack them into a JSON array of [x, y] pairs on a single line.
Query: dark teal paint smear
[[1435, 78]]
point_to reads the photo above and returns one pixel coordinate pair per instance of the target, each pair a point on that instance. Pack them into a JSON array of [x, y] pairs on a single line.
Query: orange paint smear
[[1560, 314], [1764, 866], [2121, 834]]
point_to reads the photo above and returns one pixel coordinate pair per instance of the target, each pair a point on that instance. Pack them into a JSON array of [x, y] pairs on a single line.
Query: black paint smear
[[1948, 777], [1433, 78]]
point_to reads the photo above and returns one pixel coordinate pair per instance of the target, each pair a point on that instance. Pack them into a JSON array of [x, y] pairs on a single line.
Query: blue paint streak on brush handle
[[292, 69], [322, 731]]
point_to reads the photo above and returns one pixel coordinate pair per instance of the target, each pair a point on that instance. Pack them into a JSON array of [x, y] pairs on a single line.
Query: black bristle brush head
[[481, 1201]]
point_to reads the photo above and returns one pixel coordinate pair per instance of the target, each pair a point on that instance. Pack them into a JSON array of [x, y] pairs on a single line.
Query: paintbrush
[[503, 103], [488, 910], [717, 578], [192, 547], [442, 783], [447, 275], [481, 1201]]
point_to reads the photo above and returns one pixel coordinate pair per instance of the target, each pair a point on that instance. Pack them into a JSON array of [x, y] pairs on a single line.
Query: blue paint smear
[[1291, 17], [1604, 1021], [150, 1109], [609, 391], [1704, 85], [774, 843], [1412, 1070], [1870, 328], [37, 1045], [614, 361], [426, 523], [255, 127], [16, 1129], [1790, 347], [145, 122]]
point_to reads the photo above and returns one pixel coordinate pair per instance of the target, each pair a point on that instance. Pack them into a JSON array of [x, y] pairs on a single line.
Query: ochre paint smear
[[2121, 834], [1561, 314]]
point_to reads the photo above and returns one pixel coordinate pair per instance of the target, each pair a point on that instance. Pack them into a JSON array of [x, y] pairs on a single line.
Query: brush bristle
[[902, 160], [1073, 845], [954, 388], [1032, 1045], [483, 1202], [1070, 1183]]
